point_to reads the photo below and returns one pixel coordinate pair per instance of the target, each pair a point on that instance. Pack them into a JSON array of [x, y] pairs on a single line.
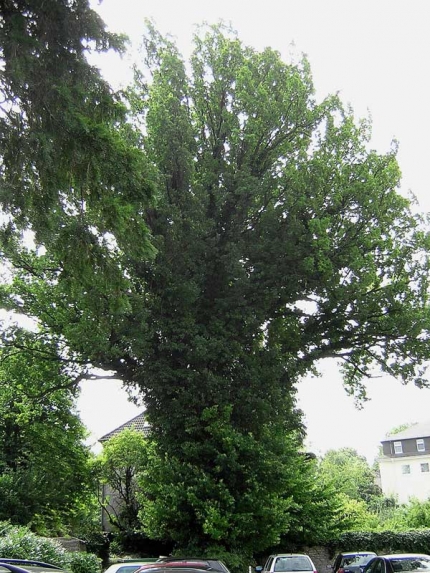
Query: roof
[[415, 431], [138, 423]]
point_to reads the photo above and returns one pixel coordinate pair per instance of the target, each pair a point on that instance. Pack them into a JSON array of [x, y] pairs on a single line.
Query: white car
[[288, 563]]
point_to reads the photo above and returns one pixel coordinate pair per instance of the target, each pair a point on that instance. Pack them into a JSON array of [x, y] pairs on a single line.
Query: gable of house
[[138, 423]]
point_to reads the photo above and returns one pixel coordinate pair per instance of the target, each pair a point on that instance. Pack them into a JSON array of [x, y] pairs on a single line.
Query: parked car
[[182, 566], [32, 565], [11, 568], [399, 562], [190, 562], [214, 564], [351, 561], [287, 563], [128, 566]]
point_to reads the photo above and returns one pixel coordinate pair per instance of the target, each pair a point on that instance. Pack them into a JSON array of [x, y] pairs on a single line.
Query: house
[[405, 463]]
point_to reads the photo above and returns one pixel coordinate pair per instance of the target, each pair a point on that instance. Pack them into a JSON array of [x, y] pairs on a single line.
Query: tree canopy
[[44, 472], [210, 235], [350, 474]]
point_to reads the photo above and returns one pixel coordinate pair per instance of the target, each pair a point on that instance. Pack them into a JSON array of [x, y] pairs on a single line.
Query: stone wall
[[321, 558], [71, 543]]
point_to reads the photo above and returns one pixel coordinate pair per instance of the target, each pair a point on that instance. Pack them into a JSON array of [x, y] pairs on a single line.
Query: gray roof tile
[[421, 430], [137, 423]]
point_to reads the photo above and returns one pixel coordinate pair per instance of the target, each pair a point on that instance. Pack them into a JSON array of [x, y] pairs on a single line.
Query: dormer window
[[420, 445], [398, 449]]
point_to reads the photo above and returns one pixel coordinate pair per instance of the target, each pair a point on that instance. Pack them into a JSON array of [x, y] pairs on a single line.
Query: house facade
[[405, 464]]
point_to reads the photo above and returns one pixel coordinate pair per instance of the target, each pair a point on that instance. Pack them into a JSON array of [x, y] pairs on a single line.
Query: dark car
[[32, 566], [351, 561], [26, 566], [10, 568], [399, 562]]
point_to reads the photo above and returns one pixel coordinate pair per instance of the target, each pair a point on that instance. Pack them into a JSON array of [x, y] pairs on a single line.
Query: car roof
[[127, 565], [404, 555], [290, 555], [190, 559], [177, 564], [14, 568], [185, 568], [352, 553], [30, 565], [29, 562]]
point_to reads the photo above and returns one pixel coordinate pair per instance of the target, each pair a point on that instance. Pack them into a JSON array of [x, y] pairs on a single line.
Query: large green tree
[[279, 239], [44, 464]]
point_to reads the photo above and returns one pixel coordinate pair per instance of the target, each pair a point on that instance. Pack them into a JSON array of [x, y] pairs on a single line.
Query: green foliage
[[219, 500], [417, 514], [70, 173], [44, 471], [278, 239], [20, 543], [83, 563], [350, 474], [124, 457], [411, 541]]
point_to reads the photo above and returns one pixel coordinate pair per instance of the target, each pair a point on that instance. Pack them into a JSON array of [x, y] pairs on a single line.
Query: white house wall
[[403, 486]]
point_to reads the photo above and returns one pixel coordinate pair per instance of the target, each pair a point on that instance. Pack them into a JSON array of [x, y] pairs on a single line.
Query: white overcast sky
[[376, 54]]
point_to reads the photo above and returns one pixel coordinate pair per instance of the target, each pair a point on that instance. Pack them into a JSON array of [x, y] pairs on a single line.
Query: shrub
[[413, 541], [20, 543], [84, 563]]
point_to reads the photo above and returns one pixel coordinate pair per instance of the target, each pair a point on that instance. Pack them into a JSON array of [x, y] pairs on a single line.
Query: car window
[[128, 568], [349, 560], [410, 564], [268, 565], [376, 566], [294, 563]]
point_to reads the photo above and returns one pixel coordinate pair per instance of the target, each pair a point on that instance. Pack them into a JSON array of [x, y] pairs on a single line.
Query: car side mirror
[[259, 568]]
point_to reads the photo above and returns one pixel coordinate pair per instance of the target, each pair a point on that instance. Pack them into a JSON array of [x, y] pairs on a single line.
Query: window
[[406, 469], [420, 445], [425, 468], [398, 448]]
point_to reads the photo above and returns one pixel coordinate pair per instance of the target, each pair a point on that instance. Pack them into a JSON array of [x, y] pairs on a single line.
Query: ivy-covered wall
[[413, 541]]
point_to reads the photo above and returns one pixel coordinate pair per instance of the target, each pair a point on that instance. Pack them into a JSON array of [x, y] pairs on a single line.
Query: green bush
[[84, 563], [20, 543]]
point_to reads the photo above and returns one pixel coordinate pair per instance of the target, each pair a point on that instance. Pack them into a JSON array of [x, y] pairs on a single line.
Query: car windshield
[[298, 563], [362, 559], [410, 564], [355, 559], [128, 568]]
